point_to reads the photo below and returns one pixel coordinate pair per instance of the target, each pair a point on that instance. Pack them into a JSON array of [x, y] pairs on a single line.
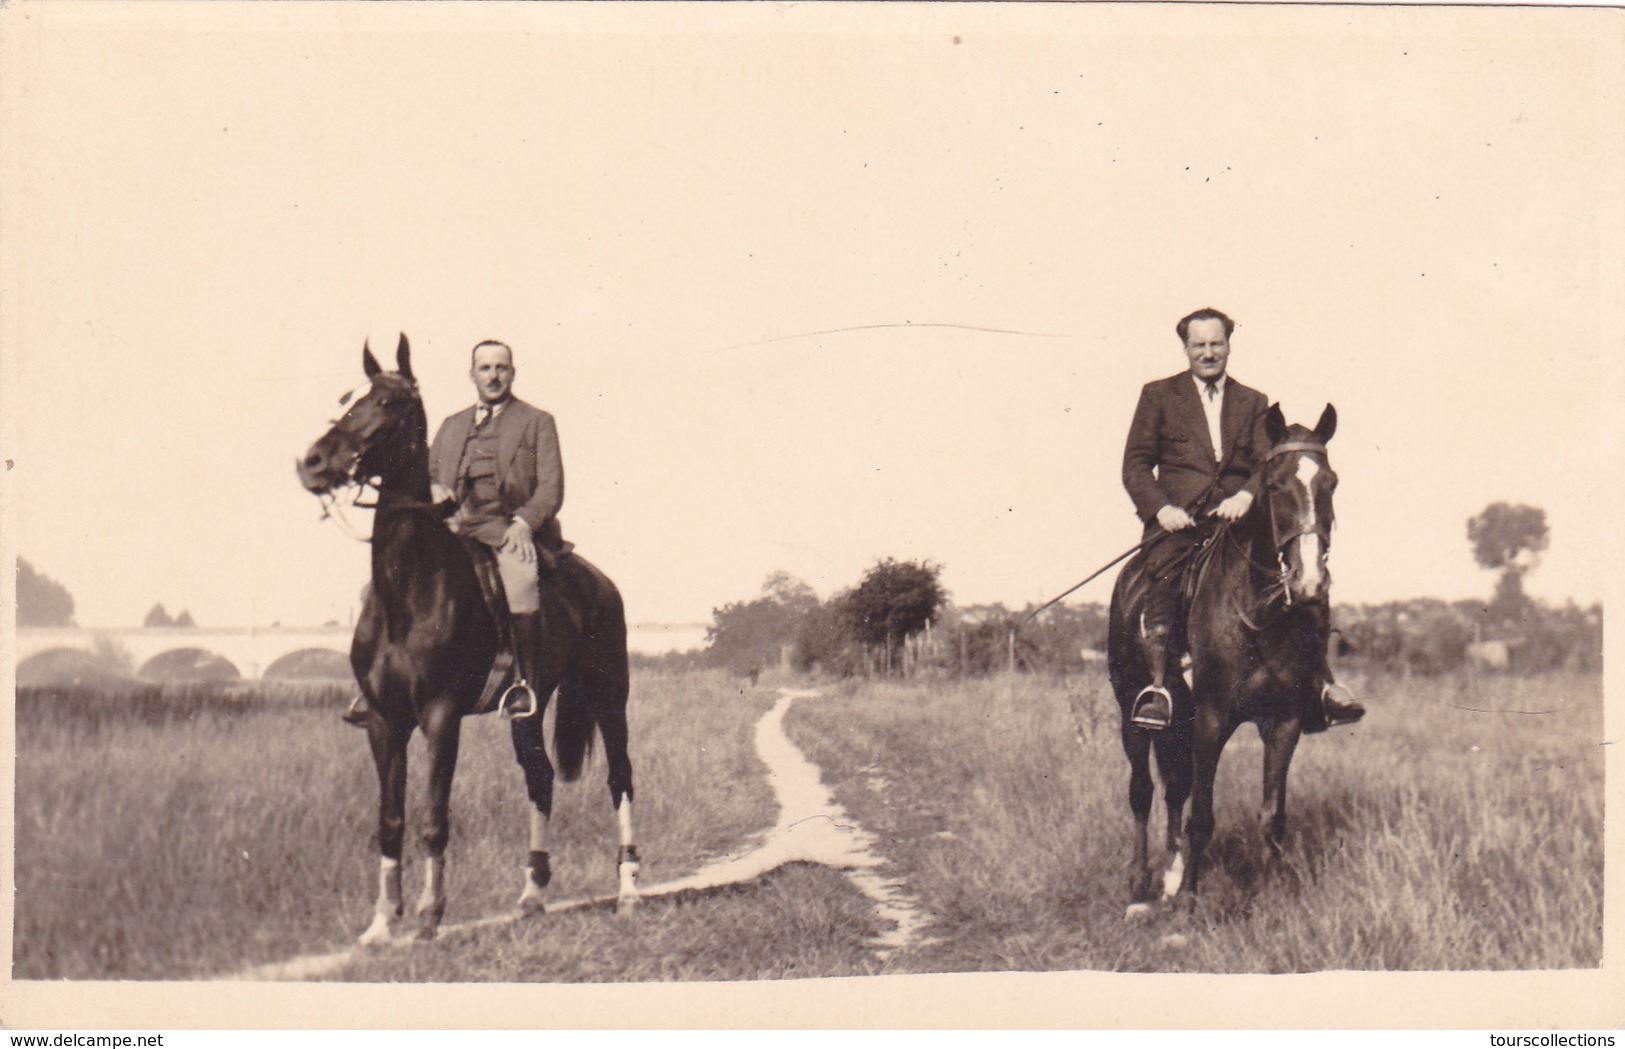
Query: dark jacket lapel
[[1233, 418]]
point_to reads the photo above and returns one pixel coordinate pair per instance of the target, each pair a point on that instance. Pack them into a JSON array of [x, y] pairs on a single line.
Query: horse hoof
[[625, 905], [377, 933], [1138, 913], [429, 920], [530, 905]]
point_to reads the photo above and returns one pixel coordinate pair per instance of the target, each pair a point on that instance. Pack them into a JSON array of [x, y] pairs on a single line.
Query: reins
[[333, 507], [1224, 464], [1223, 533]]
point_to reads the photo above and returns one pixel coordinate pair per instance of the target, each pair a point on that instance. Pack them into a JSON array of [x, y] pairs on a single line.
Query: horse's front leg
[[389, 757], [1173, 751], [531, 752], [1280, 741], [1137, 745], [442, 728], [1208, 738]]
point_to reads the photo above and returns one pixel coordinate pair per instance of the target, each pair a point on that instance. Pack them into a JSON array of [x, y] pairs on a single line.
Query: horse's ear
[[369, 363], [1327, 425], [1275, 424], [403, 359]]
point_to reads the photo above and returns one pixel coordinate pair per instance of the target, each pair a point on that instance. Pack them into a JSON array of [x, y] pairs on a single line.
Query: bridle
[[1278, 542], [1279, 587], [356, 444]]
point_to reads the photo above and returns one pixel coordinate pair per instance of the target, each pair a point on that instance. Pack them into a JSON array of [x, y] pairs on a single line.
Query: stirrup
[[356, 713], [1334, 695], [510, 710], [1138, 714]]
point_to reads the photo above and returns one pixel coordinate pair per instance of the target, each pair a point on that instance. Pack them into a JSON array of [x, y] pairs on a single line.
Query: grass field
[[192, 831], [185, 832], [1455, 829]]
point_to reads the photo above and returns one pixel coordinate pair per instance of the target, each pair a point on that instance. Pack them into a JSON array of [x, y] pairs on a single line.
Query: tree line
[[44, 602], [897, 620]]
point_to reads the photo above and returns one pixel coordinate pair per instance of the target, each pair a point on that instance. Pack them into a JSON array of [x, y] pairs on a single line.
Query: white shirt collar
[[1201, 383]]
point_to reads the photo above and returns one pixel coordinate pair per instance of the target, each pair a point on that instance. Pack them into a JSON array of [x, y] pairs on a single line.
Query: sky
[[803, 286]]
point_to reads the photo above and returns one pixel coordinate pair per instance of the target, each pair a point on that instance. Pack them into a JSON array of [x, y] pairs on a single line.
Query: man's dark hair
[[1206, 314], [489, 342]]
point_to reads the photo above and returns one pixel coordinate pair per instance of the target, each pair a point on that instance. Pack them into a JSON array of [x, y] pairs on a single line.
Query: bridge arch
[[321, 663], [58, 665], [189, 664]]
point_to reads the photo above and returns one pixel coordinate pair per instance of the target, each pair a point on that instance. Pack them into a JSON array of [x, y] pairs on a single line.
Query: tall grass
[[1457, 828], [187, 831]]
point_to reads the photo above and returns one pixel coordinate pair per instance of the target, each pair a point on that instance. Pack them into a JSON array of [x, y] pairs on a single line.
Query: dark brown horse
[[1256, 635], [426, 641]]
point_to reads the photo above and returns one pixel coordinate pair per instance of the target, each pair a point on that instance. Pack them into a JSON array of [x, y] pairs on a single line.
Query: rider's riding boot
[[358, 710], [1154, 707], [1339, 710], [521, 701], [1337, 704]]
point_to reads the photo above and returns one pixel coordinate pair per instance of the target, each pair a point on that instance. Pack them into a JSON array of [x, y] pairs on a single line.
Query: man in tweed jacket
[[498, 460]]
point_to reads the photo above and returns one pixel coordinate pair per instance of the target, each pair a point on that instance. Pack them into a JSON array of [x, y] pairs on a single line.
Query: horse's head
[[1295, 488], [378, 433]]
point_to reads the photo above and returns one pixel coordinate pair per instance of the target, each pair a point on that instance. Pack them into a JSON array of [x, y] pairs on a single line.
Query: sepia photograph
[[1079, 515]]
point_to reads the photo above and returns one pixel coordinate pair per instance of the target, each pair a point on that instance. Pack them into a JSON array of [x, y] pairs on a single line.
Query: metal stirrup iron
[[508, 710]]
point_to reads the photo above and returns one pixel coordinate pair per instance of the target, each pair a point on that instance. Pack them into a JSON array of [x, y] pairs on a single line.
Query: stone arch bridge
[[251, 650]]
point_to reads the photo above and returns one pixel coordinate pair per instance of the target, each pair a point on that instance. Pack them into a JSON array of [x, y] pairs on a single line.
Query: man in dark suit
[[1192, 450], [498, 461]]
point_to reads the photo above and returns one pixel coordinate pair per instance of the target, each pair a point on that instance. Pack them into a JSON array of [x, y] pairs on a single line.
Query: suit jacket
[[1168, 459], [530, 472]]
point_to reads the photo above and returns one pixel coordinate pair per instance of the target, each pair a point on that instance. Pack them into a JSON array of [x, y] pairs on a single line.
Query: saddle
[[1189, 571], [505, 669]]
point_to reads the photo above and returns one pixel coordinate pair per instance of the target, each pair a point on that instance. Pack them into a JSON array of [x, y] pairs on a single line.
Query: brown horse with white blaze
[[1257, 630], [426, 640]]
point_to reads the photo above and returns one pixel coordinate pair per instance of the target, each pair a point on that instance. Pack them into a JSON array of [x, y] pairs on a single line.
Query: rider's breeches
[[519, 581]]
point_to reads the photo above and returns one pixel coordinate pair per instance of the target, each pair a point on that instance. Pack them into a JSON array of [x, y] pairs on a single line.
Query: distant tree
[[156, 616], [894, 600], [750, 635], [41, 600], [113, 657], [1509, 539], [184, 619], [824, 641]]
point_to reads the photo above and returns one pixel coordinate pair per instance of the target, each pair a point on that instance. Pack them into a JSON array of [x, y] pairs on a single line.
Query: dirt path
[[811, 828]]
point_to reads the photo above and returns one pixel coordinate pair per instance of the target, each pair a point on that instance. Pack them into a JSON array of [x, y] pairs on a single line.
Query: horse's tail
[[594, 690], [573, 726]]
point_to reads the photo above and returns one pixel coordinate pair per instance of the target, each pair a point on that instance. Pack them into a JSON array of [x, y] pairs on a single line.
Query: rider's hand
[[519, 539], [440, 494], [1234, 507], [1174, 519]]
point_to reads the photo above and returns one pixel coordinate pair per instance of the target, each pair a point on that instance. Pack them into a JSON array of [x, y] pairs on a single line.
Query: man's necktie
[[482, 415], [1212, 389]]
